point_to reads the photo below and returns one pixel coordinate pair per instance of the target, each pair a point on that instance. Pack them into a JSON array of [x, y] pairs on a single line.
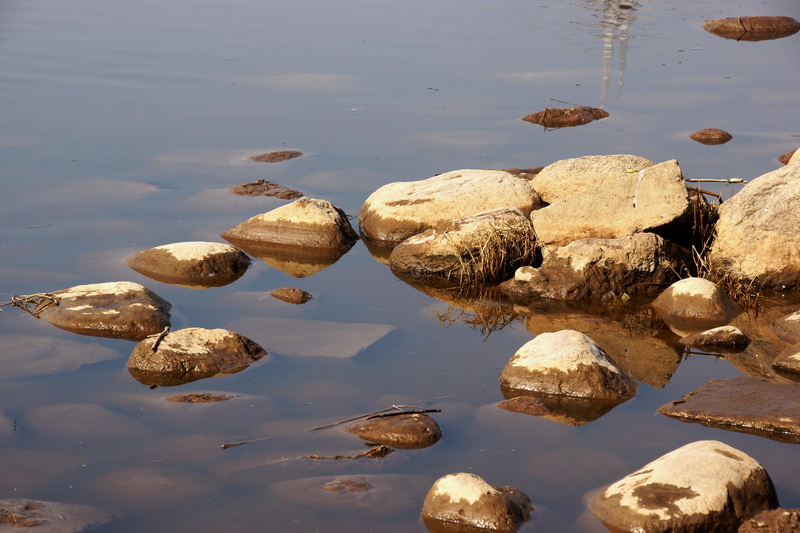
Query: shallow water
[[121, 128]]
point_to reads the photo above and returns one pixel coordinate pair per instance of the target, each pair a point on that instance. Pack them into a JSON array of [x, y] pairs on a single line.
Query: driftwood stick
[[715, 180], [159, 337]]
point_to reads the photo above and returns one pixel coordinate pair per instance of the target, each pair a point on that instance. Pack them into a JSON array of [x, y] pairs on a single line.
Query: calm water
[[123, 124]]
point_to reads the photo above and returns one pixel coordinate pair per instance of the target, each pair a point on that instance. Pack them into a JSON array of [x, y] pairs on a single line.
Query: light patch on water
[[467, 487], [464, 138], [312, 81]]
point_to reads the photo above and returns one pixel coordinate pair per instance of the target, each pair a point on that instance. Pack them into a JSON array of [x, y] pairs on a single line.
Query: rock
[[275, 157], [603, 269], [720, 337], [752, 28], [746, 405], [52, 517], [711, 136], [571, 176], [263, 187], [692, 305], [566, 117], [29, 355], [190, 354], [788, 363], [794, 157], [757, 238], [787, 328], [292, 296], [199, 397], [119, 309], [407, 431], [703, 486], [467, 500], [566, 363], [467, 252], [775, 521], [192, 264], [399, 210], [566, 410], [652, 200], [788, 157]]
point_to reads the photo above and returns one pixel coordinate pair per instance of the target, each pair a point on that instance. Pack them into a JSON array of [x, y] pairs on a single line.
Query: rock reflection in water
[[296, 261], [567, 410]]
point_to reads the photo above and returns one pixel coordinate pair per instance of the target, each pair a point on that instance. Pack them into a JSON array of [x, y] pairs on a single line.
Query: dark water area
[[122, 126]]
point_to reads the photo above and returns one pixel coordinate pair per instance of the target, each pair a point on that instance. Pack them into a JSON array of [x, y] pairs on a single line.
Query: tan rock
[[193, 264], [692, 305]]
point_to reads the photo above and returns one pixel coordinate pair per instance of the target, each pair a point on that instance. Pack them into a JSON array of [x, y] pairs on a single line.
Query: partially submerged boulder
[[602, 269], [756, 28], [399, 210], [703, 486], [470, 251], [721, 338], [186, 355], [757, 238], [692, 305], [570, 176], [122, 309], [787, 328], [653, 200], [746, 405], [404, 431], [192, 264], [468, 501], [711, 136], [19, 514]]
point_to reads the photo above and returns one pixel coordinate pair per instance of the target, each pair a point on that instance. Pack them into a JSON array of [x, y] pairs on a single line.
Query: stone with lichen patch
[[193, 264], [703, 486], [120, 309], [469, 501]]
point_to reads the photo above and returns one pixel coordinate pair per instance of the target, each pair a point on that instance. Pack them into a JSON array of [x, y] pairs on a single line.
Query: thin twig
[[715, 180], [39, 301], [416, 412], [159, 337]]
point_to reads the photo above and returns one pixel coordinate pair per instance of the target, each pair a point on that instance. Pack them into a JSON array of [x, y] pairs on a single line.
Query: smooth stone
[[467, 500], [746, 405], [399, 210], [193, 264], [711, 136], [407, 432], [19, 514], [118, 309], [787, 328], [788, 363], [291, 295], [720, 337], [692, 305], [190, 354], [28, 355], [702, 486], [755, 28]]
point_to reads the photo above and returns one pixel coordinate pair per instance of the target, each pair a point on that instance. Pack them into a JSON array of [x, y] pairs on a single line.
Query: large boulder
[[571, 176], [481, 248], [692, 305], [637, 266], [757, 237], [654, 200], [466, 500], [703, 486], [399, 210], [193, 264], [120, 309], [187, 355]]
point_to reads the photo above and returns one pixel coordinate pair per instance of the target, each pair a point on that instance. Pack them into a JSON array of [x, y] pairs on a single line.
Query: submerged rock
[[275, 157], [399, 210], [52, 517], [571, 176], [120, 309], [757, 238], [467, 500], [758, 28], [692, 305], [711, 136], [746, 405], [566, 363], [703, 486], [722, 337], [193, 264], [190, 354], [775, 521], [566, 117], [406, 431], [292, 296], [263, 187]]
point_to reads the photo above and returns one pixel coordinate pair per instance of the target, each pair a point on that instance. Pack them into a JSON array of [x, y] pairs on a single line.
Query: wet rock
[[275, 157], [190, 354], [653, 200], [52, 517], [263, 187], [467, 500], [407, 431], [571, 176], [199, 397], [399, 210], [788, 363], [566, 363], [637, 266], [794, 157], [757, 238], [725, 337], [746, 405], [703, 486], [711, 136], [192, 264], [566, 117], [29, 355], [692, 305], [119, 309], [788, 157], [775, 521], [752, 28], [787, 328], [292, 296], [471, 251]]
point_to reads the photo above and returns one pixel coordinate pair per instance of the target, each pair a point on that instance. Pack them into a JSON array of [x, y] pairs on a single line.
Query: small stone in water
[[275, 157], [263, 187], [199, 397], [292, 296], [711, 136]]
